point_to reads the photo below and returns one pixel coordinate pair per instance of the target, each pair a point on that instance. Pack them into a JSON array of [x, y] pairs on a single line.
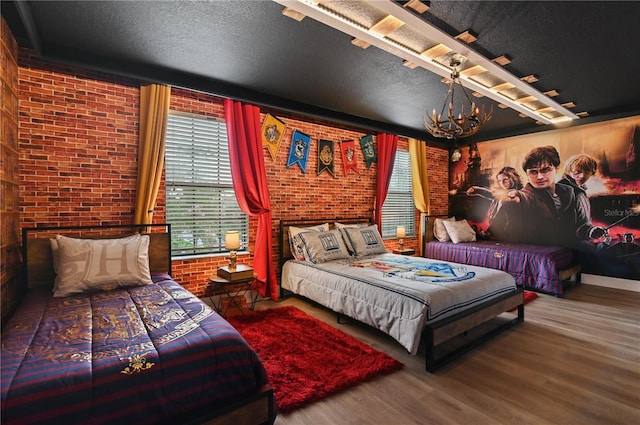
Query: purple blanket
[[534, 267], [152, 354]]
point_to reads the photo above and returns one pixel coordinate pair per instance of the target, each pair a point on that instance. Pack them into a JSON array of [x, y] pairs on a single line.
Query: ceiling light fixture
[[409, 40], [456, 123]]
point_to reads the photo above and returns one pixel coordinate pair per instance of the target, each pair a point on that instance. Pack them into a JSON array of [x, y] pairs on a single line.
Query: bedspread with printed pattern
[[151, 354]]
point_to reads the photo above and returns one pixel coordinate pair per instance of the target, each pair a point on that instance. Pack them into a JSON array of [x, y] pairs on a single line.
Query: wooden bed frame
[[258, 408], [435, 333], [569, 276]]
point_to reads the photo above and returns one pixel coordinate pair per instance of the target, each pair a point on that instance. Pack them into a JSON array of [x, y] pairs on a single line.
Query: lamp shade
[[232, 241], [401, 232]]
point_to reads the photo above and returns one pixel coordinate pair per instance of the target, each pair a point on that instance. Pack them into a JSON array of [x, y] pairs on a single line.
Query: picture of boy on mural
[[548, 210], [577, 170]]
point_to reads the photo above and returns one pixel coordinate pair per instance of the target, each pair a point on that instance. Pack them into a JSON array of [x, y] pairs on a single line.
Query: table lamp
[[401, 233], [232, 243]]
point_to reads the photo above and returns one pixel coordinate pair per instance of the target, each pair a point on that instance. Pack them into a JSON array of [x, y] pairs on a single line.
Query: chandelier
[[465, 124]]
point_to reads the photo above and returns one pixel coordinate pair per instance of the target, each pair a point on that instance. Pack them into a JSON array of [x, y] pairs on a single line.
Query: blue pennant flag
[[299, 151]]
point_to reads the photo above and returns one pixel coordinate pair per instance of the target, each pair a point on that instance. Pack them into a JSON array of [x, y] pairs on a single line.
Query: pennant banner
[[348, 148], [272, 134], [368, 150], [299, 151], [325, 157]]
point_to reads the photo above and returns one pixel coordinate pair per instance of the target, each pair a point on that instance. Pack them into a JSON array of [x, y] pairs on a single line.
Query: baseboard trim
[[610, 282]]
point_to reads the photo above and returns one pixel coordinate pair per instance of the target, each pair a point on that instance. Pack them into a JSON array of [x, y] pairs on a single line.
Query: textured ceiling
[[249, 50]]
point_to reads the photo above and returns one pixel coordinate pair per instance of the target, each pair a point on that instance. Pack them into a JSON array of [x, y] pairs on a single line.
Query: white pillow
[[54, 254], [295, 244], [87, 265], [439, 231], [323, 246], [349, 226], [460, 231], [365, 240]]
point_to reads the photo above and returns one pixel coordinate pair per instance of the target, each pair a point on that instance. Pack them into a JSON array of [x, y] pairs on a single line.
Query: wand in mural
[[607, 236], [633, 254], [617, 222]]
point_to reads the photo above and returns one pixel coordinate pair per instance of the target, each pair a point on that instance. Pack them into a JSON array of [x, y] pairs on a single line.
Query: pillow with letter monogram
[[295, 243], [349, 226], [323, 246], [365, 240], [88, 265]]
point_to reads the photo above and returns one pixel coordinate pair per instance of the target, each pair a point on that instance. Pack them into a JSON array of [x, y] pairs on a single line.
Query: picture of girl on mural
[[501, 226], [548, 210], [473, 174]]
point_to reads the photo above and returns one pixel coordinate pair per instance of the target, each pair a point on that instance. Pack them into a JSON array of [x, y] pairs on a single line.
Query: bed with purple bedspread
[[152, 354], [535, 267]]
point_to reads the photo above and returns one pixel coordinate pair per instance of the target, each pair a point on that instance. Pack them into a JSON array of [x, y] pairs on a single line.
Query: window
[[201, 203], [398, 209]]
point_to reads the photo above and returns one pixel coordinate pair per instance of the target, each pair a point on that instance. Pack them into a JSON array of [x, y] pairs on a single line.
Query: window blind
[[398, 209], [201, 203]]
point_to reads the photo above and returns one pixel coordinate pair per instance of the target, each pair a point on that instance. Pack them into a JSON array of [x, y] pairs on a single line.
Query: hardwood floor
[[575, 360]]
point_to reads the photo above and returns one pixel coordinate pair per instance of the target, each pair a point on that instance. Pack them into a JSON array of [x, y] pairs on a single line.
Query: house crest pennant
[[348, 148], [272, 134], [368, 150], [325, 157], [299, 151]]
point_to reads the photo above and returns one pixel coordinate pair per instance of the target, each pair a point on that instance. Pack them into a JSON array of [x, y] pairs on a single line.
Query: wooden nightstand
[[231, 289], [405, 251]]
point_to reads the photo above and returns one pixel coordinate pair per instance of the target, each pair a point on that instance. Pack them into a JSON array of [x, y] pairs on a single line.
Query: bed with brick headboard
[[346, 268]]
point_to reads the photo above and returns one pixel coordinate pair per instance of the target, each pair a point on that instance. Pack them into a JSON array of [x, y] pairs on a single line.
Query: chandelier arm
[[448, 97], [464, 90]]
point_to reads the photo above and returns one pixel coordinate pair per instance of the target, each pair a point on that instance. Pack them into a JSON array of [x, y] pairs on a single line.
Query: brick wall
[[11, 288], [438, 166], [78, 135]]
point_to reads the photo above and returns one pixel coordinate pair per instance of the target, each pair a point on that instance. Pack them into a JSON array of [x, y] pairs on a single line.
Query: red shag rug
[[528, 296], [307, 359]]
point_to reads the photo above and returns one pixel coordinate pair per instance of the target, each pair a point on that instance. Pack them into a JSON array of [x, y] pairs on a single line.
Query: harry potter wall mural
[[576, 187]]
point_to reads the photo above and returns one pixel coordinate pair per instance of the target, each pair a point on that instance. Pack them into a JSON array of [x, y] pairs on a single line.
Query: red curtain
[[250, 186], [387, 145]]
